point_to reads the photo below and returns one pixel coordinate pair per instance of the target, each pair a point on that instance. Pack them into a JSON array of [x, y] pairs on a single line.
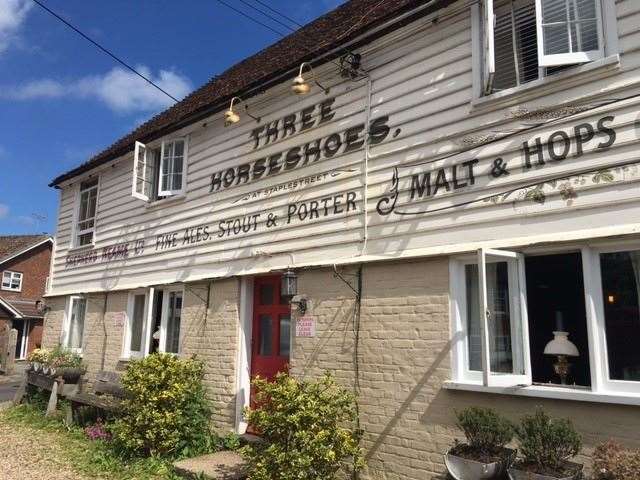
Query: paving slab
[[225, 465]]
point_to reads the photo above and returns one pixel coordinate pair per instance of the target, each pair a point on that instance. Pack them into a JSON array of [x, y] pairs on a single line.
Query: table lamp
[[562, 348]]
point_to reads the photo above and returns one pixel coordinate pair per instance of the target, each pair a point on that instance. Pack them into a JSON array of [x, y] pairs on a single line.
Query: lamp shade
[[561, 345]]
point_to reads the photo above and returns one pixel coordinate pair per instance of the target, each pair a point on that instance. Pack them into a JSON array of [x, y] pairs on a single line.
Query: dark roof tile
[[12, 244]]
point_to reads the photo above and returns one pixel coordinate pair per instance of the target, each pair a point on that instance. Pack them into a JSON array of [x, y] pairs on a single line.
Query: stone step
[[223, 465]]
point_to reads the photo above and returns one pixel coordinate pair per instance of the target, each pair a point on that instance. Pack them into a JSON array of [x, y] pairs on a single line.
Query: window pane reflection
[[621, 291], [285, 336], [266, 335]]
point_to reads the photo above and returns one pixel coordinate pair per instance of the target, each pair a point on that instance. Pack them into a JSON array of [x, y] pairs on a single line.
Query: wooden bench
[[107, 392], [107, 395]]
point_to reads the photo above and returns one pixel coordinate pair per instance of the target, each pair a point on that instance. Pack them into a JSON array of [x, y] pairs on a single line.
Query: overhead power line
[[278, 13], [104, 49], [255, 20], [269, 16]]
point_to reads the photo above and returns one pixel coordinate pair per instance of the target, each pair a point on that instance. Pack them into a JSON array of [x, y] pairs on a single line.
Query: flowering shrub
[[40, 355], [165, 412], [308, 428], [612, 462], [97, 431]]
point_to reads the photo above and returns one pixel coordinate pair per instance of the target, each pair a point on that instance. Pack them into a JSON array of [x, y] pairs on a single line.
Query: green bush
[[612, 462], [309, 429], [547, 442], [486, 431], [165, 412]]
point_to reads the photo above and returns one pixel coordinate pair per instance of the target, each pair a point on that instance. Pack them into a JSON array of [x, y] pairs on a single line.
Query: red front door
[[271, 336]]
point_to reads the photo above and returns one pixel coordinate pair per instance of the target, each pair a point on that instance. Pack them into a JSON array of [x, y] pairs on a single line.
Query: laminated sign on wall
[[306, 327]]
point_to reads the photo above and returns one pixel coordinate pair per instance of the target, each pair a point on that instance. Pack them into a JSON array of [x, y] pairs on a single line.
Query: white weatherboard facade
[[421, 89]]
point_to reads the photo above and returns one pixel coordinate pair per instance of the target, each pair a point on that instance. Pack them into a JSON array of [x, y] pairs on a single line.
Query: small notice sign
[[306, 327], [118, 319]]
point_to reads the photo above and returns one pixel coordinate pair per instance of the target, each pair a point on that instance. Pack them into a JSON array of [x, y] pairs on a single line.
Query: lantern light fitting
[[231, 117], [301, 86]]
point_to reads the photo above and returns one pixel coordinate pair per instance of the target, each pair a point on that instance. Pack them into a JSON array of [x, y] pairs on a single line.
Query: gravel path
[[32, 454]]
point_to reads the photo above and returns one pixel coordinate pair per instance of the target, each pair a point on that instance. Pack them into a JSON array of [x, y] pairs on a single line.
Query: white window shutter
[[569, 32], [489, 23], [141, 186]]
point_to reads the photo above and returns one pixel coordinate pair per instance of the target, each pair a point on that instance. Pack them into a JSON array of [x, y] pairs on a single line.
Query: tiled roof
[[321, 36], [26, 308], [12, 244]]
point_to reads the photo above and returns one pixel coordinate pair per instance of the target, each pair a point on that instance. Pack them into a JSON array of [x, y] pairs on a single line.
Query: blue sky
[[62, 100]]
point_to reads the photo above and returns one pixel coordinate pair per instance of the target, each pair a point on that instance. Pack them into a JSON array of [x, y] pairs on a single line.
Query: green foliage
[[486, 431], [93, 459], [308, 428], [547, 442], [60, 357], [231, 441], [612, 462], [165, 412]]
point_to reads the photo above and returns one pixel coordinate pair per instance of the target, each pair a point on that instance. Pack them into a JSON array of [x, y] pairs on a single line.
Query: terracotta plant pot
[[516, 474], [461, 468]]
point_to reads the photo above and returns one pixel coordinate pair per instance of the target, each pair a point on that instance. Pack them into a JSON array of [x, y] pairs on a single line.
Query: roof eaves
[[7, 306]]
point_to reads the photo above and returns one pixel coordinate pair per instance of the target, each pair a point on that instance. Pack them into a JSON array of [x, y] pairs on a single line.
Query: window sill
[[165, 201], [83, 248], [560, 81], [557, 393]]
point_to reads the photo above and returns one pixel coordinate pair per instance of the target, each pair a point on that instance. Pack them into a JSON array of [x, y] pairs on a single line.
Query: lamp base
[[562, 368]]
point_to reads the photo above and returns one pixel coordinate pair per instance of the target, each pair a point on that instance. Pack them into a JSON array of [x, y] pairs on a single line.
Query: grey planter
[[515, 474], [465, 469]]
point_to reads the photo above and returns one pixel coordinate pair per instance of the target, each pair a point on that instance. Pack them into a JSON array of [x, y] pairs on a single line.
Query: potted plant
[[546, 445], [66, 364], [37, 358], [484, 454]]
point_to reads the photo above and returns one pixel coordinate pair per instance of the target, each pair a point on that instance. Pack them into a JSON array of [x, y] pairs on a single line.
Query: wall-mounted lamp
[[289, 290], [301, 86], [231, 117]]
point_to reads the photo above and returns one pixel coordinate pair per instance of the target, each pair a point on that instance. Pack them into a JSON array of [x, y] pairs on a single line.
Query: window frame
[[127, 353], [156, 193], [481, 88], [166, 292], [553, 60], [76, 214], [139, 146], [66, 331], [602, 388], [11, 276], [591, 257], [517, 307]]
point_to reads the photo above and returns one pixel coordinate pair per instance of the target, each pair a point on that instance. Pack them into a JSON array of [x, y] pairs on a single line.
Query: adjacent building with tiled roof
[[24, 270]]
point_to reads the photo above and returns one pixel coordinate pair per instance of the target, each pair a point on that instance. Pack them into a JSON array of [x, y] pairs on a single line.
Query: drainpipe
[[104, 330], [366, 164]]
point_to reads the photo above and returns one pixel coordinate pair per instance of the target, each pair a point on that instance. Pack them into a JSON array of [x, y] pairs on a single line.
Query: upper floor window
[[86, 217], [11, 281], [159, 172], [526, 40]]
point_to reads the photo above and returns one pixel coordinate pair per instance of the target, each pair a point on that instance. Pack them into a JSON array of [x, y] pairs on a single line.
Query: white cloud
[[4, 210], [119, 89], [12, 14]]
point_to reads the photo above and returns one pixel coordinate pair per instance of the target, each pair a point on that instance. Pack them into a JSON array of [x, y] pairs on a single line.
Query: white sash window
[[159, 172], [526, 40]]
